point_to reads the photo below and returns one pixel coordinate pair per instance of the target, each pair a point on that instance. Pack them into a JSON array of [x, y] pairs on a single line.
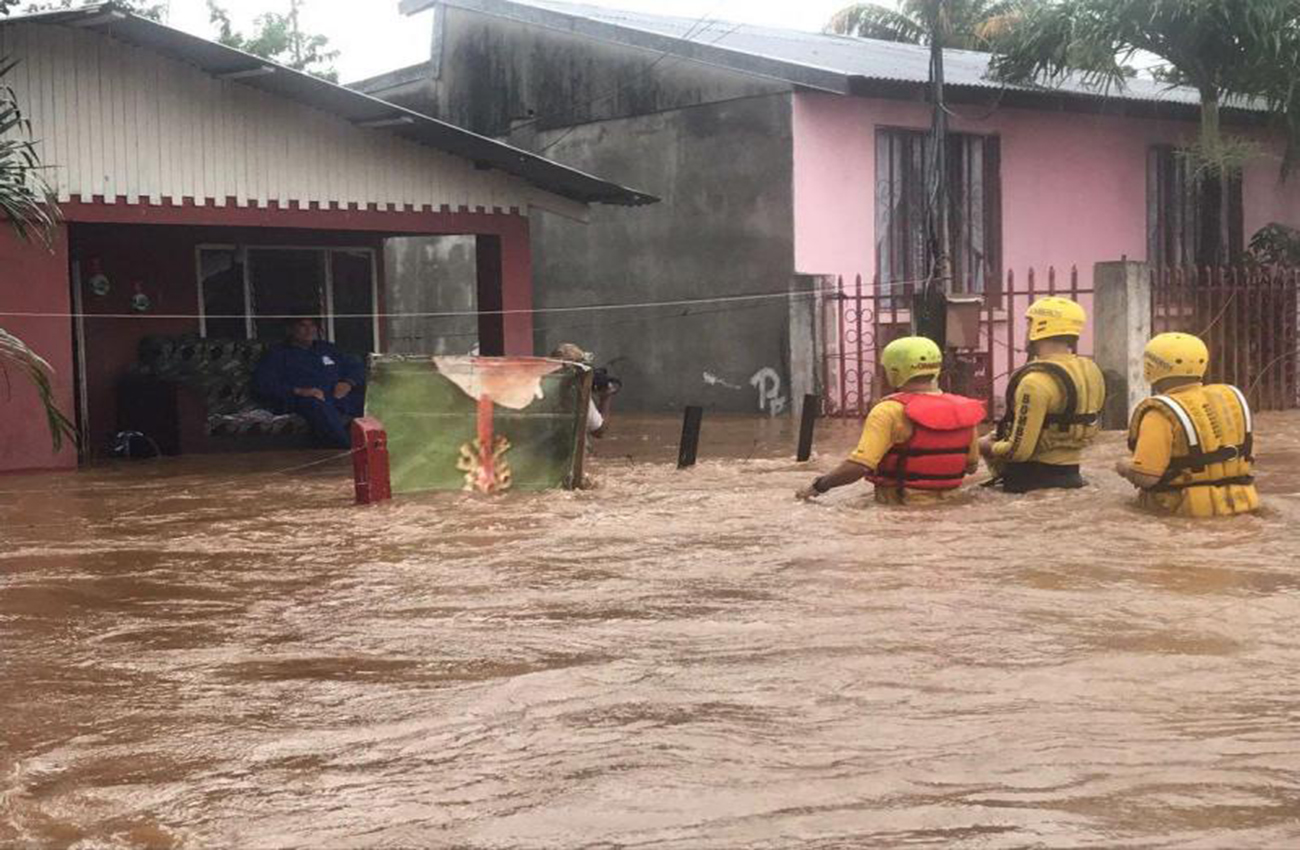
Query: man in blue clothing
[[312, 378]]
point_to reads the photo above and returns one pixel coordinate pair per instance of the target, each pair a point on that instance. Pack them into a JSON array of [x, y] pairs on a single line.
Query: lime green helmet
[[911, 357]]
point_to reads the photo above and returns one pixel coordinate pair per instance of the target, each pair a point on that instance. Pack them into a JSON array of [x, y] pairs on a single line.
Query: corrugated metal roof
[[354, 106], [817, 60]]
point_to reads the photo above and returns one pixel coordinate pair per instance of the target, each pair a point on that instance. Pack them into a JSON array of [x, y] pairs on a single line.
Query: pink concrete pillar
[[517, 286]]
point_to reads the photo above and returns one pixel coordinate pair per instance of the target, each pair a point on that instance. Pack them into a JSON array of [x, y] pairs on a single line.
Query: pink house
[[786, 159]]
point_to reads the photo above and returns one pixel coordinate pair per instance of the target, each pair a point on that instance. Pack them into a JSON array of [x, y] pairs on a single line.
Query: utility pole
[[930, 306]]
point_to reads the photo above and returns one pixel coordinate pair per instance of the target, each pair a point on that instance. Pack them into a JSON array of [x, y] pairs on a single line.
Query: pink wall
[[834, 186], [1074, 186], [35, 280]]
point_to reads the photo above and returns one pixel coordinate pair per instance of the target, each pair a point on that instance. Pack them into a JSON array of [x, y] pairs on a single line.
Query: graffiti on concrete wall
[[715, 381], [768, 383]]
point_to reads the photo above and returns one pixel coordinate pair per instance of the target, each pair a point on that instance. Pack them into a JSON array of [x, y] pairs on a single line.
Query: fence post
[[1121, 324], [690, 445], [806, 293]]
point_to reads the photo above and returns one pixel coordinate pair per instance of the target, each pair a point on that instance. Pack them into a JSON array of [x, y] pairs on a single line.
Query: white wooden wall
[[117, 121]]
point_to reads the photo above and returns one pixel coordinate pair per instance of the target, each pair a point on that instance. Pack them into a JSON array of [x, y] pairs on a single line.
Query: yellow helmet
[[1174, 356], [910, 357], [1055, 316]]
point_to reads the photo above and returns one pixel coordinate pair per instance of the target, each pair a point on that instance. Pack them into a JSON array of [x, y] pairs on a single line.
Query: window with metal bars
[[1174, 211], [974, 210]]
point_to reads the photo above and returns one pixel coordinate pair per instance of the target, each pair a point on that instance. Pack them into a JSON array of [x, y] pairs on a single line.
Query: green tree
[[965, 24], [1224, 49], [156, 11], [280, 38], [26, 205]]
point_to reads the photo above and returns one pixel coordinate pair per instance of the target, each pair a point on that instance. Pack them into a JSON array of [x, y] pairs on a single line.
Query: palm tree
[[1224, 49], [966, 24], [27, 205]]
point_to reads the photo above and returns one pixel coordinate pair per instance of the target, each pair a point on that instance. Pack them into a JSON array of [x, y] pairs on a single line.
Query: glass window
[[974, 209], [221, 282], [1173, 211], [353, 302], [334, 285], [285, 282]]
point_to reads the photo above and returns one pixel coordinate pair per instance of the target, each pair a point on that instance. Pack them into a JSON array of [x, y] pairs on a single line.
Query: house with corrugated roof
[[787, 158], [205, 194]]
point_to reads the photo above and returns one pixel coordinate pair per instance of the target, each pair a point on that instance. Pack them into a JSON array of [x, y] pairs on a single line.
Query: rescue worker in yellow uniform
[[919, 443], [1192, 444], [1054, 405]]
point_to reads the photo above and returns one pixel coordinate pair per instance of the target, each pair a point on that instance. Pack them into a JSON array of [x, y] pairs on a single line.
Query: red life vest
[[943, 427]]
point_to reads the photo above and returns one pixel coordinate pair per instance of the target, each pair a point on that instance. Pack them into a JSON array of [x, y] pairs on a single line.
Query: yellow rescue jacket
[[1211, 463], [1070, 421]]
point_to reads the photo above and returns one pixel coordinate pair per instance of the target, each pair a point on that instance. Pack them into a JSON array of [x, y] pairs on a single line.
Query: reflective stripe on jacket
[[1219, 431]]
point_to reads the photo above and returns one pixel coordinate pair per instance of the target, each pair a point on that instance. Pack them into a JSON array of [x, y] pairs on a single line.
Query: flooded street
[[207, 652]]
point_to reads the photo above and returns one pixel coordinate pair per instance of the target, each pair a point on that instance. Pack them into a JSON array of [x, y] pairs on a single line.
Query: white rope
[[320, 462], [587, 308]]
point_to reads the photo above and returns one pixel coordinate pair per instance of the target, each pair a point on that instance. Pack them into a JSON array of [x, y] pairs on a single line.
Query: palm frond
[[26, 200], [14, 353], [868, 20]]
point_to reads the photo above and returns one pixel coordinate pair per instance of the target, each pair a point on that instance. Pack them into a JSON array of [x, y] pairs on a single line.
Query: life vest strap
[[1199, 460], [1196, 459], [1068, 419], [917, 476], [1061, 421], [1241, 480], [931, 452]]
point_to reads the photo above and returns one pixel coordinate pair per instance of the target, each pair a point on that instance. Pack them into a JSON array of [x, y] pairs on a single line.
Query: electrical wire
[[583, 308]]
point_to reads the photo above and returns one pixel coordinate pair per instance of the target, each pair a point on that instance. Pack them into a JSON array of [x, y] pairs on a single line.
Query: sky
[[373, 37]]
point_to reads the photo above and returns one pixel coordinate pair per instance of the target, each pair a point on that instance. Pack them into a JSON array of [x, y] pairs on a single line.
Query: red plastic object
[[370, 461]]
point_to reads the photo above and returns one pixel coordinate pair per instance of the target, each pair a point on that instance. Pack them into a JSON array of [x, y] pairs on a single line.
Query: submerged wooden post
[[370, 461], [690, 437], [807, 422]]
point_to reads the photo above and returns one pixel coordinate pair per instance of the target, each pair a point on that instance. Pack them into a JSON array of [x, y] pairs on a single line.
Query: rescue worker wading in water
[[1192, 444], [1054, 405], [918, 444]]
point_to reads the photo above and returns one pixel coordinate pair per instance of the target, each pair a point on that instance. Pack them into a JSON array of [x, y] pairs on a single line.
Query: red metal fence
[[1248, 317], [859, 321]]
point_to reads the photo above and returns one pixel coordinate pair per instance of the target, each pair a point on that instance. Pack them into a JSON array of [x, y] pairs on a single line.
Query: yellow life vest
[[1079, 421], [1211, 468]]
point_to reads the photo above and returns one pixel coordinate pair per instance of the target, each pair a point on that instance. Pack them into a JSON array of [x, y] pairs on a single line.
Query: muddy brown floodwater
[[206, 653]]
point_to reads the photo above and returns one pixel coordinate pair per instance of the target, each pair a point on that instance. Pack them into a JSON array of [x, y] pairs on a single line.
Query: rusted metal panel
[[1247, 315], [869, 318]]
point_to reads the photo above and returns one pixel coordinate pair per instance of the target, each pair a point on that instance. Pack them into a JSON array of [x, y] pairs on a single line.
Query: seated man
[[918, 444], [312, 378], [574, 354]]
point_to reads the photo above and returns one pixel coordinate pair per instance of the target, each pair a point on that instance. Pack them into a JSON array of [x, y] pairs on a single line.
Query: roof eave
[[355, 106]]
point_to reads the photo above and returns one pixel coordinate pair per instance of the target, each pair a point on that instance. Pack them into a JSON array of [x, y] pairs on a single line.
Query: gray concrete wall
[[490, 74], [724, 228], [431, 274], [713, 144]]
